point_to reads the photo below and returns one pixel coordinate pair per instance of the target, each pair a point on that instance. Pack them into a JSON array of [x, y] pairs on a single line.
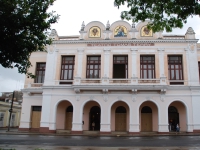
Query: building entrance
[[120, 119], [68, 118], [95, 114], [173, 116], [146, 119]]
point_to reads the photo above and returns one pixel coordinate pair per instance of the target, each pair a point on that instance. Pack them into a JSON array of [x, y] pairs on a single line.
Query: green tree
[[24, 26], [163, 14]]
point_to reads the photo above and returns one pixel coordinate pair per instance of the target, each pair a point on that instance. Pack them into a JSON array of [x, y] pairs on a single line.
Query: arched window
[[120, 109], [146, 109], [172, 109]]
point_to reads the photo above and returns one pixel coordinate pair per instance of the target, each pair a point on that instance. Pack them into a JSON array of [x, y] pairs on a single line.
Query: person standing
[[177, 128]]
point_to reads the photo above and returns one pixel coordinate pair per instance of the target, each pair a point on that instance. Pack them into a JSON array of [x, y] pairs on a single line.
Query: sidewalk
[[14, 131]]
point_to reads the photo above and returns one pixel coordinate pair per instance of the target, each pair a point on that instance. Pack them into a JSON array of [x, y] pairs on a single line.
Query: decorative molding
[[161, 49], [119, 97], [80, 50], [125, 41], [77, 97], [91, 97], [105, 91], [77, 90], [105, 97]]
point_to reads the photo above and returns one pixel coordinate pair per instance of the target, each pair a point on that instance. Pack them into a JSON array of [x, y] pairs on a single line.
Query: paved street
[[100, 142]]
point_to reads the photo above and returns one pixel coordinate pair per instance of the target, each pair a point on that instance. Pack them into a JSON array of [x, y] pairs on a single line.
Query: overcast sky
[[72, 14]]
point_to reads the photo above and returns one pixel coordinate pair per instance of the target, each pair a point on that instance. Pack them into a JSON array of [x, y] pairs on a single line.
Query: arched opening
[[120, 119], [68, 118], [177, 115], [173, 117], [64, 115], [95, 114], [146, 119], [91, 114]]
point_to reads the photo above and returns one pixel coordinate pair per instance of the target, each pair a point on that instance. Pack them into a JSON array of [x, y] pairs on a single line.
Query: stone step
[[119, 132], [91, 132], [63, 131], [148, 132]]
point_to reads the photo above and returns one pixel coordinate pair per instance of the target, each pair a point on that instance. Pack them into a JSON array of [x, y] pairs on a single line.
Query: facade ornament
[[91, 97], [119, 97], [105, 91], [105, 97], [133, 25], [77, 97], [134, 94], [108, 25], [162, 94], [83, 26], [77, 90], [190, 31]]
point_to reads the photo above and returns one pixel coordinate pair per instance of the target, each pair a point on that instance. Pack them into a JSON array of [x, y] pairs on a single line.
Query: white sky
[[72, 14]]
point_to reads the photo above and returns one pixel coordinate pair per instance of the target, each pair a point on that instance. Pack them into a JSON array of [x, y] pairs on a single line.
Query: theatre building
[[117, 77]]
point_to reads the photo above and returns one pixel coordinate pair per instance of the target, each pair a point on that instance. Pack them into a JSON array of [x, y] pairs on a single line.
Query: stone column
[[80, 62], [163, 125], [106, 62], [192, 60], [105, 115], [195, 126], [134, 62], [161, 62], [45, 116], [134, 125], [50, 65], [77, 126]]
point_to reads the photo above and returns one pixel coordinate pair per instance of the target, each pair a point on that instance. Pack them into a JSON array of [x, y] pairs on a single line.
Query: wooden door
[[68, 120], [35, 119], [146, 122], [120, 121]]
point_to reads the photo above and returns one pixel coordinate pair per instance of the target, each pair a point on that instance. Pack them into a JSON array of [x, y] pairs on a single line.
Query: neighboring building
[[5, 106], [117, 77]]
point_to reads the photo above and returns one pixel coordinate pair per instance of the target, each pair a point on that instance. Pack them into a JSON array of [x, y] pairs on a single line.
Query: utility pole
[[10, 110]]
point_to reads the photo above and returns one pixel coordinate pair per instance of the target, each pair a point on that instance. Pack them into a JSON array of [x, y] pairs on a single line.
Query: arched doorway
[[120, 114], [173, 117], [95, 114], [63, 114], [146, 119], [120, 119], [68, 118]]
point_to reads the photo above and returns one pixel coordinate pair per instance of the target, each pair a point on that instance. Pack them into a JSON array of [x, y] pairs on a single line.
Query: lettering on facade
[[119, 44]]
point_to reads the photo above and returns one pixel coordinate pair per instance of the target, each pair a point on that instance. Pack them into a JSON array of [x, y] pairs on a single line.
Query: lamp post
[[10, 110]]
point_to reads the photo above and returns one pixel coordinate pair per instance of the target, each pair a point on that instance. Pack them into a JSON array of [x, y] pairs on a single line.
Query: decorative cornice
[[125, 41]]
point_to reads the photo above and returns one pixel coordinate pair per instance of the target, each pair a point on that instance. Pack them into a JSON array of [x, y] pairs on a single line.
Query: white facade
[[132, 103]]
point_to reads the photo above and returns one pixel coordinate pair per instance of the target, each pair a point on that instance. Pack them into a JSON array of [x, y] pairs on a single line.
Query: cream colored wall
[[35, 58]]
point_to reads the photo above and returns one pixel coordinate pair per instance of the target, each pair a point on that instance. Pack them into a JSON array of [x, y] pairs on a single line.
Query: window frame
[[40, 69], [125, 62], [174, 66], [147, 63], [93, 69], [67, 68]]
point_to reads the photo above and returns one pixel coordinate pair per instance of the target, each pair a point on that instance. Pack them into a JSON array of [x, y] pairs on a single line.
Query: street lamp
[[10, 110]]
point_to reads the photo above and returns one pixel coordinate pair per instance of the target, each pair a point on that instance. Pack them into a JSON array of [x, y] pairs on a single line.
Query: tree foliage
[[163, 14], [24, 26]]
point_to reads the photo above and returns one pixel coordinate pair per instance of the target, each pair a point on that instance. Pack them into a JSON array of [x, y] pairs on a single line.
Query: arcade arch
[[120, 116], [148, 117], [177, 115], [91, 116], [64, 115]]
